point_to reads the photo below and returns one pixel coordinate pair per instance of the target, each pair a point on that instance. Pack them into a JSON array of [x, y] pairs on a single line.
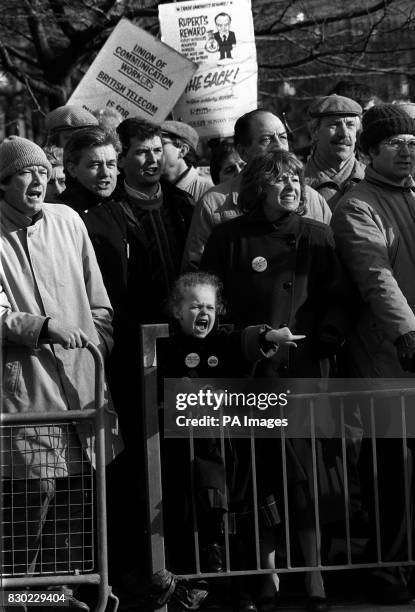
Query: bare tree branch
[[36, 84], [65, 24], [37, 31], [365, 37], [345, 15], [17, 53], [100, 12]]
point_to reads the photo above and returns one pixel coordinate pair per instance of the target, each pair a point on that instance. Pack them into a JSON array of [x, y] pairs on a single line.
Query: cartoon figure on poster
[[224, 39]]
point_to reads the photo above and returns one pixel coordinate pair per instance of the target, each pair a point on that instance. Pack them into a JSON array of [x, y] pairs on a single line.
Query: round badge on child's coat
[[192, 360], [212, 361], [259, 264]]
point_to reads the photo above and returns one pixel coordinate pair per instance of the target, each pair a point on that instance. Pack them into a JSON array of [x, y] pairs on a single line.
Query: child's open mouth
[[202, 324]]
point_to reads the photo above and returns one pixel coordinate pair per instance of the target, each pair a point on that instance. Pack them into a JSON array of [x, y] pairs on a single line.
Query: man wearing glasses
[[374, 227]]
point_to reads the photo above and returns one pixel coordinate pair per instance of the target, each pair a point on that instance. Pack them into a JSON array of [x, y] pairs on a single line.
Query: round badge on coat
[[212, 361], [192, 360], [259, 264]]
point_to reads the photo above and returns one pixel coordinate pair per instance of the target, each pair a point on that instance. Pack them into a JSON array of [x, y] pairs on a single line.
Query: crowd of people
[[112, 225]]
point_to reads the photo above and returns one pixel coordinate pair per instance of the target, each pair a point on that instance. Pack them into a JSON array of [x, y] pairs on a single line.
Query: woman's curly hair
[[264, 170]]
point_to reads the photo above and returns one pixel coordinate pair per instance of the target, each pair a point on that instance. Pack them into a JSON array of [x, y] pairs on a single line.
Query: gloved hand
[[405, 345], [329, 342]]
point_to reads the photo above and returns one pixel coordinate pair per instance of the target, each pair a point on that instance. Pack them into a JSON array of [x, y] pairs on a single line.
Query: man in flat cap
[[374, 230], [180, 142], [333, 168], [52, 301], [63, 121]]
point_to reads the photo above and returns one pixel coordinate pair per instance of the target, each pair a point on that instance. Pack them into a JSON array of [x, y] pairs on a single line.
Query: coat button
[[287, 285], [283, 367]]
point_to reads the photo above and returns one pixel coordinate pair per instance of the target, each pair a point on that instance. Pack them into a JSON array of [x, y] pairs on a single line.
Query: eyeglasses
[[400, 143]]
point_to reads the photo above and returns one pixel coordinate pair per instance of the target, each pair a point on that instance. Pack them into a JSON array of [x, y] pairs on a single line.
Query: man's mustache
[[343, 141]]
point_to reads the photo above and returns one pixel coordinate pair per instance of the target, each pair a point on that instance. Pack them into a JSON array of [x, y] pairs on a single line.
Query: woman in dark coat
[[280, 268]]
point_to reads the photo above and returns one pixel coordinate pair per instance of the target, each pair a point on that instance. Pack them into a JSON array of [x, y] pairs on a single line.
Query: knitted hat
[[69, 117], [183, 131], [380, 122], [334, 106], [17, 153]]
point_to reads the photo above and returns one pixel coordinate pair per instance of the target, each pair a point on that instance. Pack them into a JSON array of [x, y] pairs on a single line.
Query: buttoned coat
[[49, 270], [284, 273], [220, 204]]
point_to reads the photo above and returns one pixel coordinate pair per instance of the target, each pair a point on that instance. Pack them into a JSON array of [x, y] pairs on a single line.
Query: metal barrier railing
[[72, 565], [402, 397]]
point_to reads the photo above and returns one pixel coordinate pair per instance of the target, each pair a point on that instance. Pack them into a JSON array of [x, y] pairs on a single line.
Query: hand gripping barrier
[[52, 576]]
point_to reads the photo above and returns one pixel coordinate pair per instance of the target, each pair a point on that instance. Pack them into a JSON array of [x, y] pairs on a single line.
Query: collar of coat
[[16, 218], [378, 179], [317, 177], [143, 198], [80, 198]]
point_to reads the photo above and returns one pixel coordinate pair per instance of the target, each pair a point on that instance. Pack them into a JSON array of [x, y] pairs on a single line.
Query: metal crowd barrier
[[404, 397], [24, 549]]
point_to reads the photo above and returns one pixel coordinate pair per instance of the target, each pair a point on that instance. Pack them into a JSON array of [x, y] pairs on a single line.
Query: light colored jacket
[[49, 269], [194, 183], [374, 229], [221, 204]]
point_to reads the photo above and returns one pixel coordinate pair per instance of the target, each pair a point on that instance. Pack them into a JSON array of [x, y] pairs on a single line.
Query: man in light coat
[[52, 302], [374, 228]]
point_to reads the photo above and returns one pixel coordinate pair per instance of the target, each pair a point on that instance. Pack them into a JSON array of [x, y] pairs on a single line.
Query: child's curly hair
[[192, 279]]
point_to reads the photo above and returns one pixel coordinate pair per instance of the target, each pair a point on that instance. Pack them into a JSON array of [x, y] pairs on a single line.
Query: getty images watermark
[[216, 400], [295, 408]]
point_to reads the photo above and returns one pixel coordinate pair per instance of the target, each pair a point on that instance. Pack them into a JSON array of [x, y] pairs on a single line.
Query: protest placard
[[135, 74], [219, 36], [216, 96]]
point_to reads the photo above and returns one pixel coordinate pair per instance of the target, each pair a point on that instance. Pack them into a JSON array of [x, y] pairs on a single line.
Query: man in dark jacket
[[90, 163], [158, 215]]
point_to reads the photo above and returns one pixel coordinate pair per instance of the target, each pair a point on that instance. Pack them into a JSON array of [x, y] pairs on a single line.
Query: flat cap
[[183, 131], [69, 117], [334, 105], [408, 107]]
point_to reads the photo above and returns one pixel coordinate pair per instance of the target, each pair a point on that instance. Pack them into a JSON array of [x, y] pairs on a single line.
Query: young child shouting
[[202, 349]]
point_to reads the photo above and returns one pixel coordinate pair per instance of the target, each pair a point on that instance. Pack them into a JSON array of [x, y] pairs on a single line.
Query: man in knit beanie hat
[[375, 234], [52, 301]]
